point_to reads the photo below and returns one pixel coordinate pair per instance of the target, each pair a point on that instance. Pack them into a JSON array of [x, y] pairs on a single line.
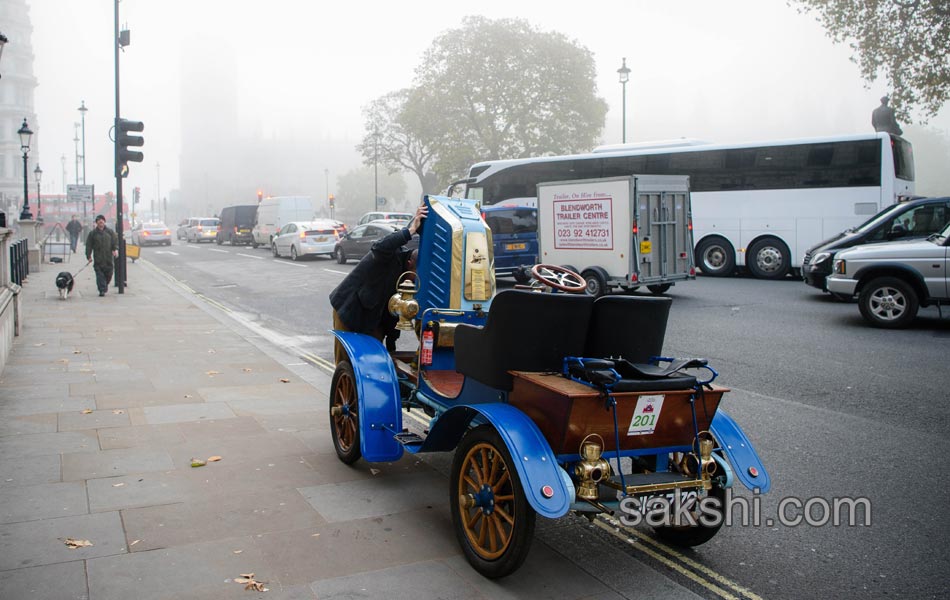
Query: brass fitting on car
[[592, 468], [403, 303]]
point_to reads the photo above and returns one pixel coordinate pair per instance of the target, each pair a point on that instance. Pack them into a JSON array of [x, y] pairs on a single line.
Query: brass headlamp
[[592, 468], [403, 303]]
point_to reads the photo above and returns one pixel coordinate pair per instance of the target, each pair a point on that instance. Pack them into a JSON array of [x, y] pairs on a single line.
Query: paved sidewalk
[[105, 403]]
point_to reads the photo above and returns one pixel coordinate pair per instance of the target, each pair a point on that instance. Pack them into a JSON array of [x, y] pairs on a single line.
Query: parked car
[[305, 238], [514, 232], [151, 234], [236, 224], [378, 215], [273, 213], [892, 280], [910, 219], [202, 229], [182, 232], [358, 242]]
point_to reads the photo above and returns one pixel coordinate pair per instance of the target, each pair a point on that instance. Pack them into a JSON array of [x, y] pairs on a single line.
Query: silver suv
[[892, 280]]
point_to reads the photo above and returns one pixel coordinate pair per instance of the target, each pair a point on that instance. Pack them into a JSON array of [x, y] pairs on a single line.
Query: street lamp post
[[624, 73], [76, 147], [82, 111], [25, 135], [375, 170], [38, 173], [326, 178], [3, 41]]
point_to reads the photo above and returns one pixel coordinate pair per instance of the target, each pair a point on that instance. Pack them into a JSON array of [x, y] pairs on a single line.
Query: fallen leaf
[[187, 395], [73, 544], [211, 351], [40, 344], [213, 373], [77, 351], [197, 462], [249, 583], [315, 535], [214, 458], [65, 361], [86, 411], [238, 551], [246, 370], [118, 412], [248, 575], [284, 380], [374, 471], [117, 484], [134, 542]]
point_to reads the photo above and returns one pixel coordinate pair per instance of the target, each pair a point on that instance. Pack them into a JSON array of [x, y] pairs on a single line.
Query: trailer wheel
[[344, 414], [596, 282], [493, 521], [659, 288]]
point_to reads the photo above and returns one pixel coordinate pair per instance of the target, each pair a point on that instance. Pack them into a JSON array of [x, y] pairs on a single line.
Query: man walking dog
[[102, 247]]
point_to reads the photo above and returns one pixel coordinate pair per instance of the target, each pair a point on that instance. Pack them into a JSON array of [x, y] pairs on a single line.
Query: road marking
[[166, 252], [217, 250], [337, 272], [251, 256], [320, 362], [289, 264]]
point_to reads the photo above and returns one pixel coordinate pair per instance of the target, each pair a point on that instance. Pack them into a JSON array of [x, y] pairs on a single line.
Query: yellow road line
[[213, 302], [320, 362], [666, 561]]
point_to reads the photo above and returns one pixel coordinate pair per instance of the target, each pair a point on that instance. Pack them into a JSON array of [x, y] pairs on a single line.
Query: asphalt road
[[836, 410]]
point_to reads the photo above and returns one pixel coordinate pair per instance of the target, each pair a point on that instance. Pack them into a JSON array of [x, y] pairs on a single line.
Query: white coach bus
[[759, 205]]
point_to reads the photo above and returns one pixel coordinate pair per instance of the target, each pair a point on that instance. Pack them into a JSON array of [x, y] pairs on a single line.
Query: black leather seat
[[628, 327], [525, 331]]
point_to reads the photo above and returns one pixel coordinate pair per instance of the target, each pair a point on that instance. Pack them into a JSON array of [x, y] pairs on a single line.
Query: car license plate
[[319, 239], [244, 231], [519, 246], [657, 501]]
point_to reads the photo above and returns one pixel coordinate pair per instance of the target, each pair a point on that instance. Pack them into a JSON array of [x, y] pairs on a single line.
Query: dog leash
[[81, 270]]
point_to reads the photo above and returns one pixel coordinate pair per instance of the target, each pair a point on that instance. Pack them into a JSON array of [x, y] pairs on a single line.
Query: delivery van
[[275, 212], [236, 223]]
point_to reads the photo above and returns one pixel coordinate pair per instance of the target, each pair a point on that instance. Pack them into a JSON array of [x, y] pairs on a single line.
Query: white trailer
[[619, 232]]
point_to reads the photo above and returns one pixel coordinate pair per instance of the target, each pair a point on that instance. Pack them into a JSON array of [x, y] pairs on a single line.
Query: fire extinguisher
[[427, 343]]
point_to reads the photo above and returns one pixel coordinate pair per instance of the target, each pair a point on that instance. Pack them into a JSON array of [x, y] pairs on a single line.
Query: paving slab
[[138, 436], [376, 497], [134, 491], [242, 449], [182, 395], [180, 413], [271, 390], [97, 419], [236, 477], [237, 427], [42, 542], [112, 463], [279, 405], [293, 422], [429, 579], [60, 581], [45, 444], [42, 501], [30, 470], [28, 424], [21, 405]]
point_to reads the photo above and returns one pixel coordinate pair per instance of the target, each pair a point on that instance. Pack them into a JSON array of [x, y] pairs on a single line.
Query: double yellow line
[[685, 566]]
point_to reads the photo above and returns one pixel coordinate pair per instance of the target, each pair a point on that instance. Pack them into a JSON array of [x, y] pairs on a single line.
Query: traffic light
[[332, 200], [124, 140], [136, 191], [260, 195]]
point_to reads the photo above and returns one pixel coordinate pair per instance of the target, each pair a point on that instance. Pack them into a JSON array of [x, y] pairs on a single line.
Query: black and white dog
[[64, 282]]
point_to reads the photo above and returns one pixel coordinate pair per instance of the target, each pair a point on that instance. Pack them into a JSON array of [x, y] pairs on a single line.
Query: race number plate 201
[[646, 415]]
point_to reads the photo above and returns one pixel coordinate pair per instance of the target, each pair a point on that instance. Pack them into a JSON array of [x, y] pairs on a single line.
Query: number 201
[[643, 420]]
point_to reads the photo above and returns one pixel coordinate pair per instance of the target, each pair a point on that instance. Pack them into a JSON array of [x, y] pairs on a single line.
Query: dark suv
[[905, 220], [236, 224]]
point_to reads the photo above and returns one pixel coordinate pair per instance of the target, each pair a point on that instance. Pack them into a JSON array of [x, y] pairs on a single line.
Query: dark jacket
[[361, 298], [99, 246], [74, 228]]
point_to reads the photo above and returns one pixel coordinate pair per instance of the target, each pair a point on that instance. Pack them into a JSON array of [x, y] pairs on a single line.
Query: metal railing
[[19, 261]]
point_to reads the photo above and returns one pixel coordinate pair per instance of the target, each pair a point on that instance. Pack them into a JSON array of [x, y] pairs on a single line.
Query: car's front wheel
[[273, 249], [340, 255], [888, 302]]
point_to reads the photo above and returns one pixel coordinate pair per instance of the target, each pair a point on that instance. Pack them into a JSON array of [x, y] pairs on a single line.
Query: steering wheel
[[559, 278]]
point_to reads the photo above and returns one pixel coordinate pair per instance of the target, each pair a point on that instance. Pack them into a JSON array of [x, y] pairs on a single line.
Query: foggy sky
[[720, 71]]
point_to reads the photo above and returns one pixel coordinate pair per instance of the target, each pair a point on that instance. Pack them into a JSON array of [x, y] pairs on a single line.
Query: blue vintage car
[[552, 401]]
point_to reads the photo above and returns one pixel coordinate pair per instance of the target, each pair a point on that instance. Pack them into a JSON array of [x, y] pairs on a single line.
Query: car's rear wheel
[[273, 249], [340, 255], [694, 535], [493, 521], [888, 302], [293, 253]]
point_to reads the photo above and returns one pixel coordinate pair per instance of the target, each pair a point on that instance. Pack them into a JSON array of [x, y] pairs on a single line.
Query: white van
[[273, 213]]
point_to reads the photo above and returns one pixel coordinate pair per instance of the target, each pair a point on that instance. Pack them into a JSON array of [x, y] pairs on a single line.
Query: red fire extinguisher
[[427, 342]]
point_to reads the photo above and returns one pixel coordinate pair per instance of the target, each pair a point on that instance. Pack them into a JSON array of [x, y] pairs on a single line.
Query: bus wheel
[[769, 258], [596, 282], [716, 257]]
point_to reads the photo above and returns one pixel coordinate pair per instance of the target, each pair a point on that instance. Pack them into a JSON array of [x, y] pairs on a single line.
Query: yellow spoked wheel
[[344, 414], [493, 521]]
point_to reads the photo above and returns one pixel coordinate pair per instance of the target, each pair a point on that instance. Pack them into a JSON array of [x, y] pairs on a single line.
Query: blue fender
[[738, 449], [534, 460], [377, 388]]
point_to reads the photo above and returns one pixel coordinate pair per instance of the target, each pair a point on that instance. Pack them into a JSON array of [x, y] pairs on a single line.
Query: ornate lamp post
[[3, 40], [82, 111], [25, 135], [38, 173], [624, 73]]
